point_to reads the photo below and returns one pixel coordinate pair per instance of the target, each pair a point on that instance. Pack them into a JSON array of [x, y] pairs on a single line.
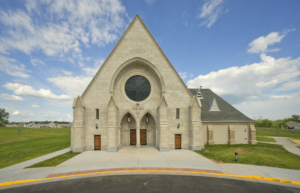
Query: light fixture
[[147, 118], [96, 126], [178, 125], [128, 118]]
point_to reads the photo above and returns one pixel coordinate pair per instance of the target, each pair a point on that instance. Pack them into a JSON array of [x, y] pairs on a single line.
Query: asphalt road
[[151, 183]]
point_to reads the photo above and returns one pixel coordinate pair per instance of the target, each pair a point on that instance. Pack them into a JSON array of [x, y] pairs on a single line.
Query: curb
[[149, 170]]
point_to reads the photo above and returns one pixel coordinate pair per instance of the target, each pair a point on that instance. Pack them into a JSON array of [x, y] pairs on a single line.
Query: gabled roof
[[227, 112], [63, 123], [43, 122], [136, 18]]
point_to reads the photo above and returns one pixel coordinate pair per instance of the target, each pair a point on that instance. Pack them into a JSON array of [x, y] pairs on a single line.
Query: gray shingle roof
[[227, 112], [63, 122]]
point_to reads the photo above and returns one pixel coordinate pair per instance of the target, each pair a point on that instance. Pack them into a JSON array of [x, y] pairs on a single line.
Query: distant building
[[29, 125], [45, 125], [63, 125], [15, 125], [293, 124]]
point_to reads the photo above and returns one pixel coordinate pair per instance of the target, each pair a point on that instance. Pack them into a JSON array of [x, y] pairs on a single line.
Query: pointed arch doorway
[[130, 133]]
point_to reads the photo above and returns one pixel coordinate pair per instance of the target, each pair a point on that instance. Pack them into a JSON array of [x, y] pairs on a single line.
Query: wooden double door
[[143, 137], [97, 140]]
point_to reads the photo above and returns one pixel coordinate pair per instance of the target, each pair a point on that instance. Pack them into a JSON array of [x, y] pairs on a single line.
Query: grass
[[261, 154], [30, 143], [265, 139], [54, 161], [276, 132]]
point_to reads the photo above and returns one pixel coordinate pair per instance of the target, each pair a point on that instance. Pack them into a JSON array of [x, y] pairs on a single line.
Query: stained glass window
[[137, 88]]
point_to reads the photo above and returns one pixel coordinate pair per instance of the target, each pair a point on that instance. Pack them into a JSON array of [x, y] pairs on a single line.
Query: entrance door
[[143, 137], [132, 136], [97, 142], [177, 141]]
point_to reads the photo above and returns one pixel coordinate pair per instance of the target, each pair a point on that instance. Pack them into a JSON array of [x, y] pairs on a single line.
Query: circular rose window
[[137, 88]]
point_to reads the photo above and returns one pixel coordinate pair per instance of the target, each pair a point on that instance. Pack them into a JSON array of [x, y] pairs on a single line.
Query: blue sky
[[248, 52]]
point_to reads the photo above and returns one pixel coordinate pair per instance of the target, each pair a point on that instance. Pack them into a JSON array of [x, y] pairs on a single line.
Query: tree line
[[277, 123]]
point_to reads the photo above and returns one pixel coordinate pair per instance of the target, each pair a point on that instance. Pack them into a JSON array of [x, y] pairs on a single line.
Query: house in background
[[293, 124], [15, 125], [45, 125], [29, 125], [63, 124]]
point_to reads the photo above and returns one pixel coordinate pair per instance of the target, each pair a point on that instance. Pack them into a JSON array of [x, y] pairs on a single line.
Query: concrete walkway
[[287, 144], [144, 158]]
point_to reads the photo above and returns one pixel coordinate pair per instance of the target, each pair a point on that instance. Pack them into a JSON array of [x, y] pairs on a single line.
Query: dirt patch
[[295, 141], [268, 159], [272, 149], [206, 151], [239, 150]]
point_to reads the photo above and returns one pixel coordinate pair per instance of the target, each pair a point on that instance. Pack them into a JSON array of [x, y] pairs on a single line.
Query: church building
[[138, 99]]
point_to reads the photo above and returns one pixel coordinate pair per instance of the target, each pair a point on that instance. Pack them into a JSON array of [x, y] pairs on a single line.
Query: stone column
[[252, 135], [210, 135], [231, 134], [112, 126], [196, 142], [138, 138], [163, 142], [78, 130]]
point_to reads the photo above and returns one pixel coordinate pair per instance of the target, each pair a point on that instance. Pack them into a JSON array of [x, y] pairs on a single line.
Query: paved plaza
[[146, 158]]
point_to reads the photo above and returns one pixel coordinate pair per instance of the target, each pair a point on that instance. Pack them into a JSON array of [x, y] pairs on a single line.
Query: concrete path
[[132, 157], [287, 144], [146, 157], [17, 171]]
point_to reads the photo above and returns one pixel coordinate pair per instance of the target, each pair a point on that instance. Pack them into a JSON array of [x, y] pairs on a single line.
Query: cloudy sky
[[248, 52]]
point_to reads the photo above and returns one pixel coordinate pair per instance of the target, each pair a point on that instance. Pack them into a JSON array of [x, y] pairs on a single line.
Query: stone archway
[[148, 126], [126, 127]]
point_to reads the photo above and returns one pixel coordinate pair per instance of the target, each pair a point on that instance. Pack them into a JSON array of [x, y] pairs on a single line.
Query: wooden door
[[97, 142], [177, 141], [143, 137], [132, 136]]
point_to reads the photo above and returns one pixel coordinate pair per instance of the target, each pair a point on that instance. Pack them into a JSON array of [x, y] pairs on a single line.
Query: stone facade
[[104, 108]]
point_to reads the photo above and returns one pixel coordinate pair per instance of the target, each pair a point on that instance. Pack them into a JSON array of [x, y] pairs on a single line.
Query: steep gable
[[137, 41]]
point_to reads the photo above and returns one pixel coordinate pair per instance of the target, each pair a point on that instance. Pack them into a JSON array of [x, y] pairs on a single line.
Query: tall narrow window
[[97, 113], [177, 113]]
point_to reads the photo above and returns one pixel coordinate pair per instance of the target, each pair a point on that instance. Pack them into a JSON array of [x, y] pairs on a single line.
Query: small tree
[[296, 117], [4, 116]]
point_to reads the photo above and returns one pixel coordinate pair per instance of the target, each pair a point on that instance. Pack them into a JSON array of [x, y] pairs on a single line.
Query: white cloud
[[27, 90], [210, 12], [76, 22], [261, 44], [68, 73], [16, 113], [11, 97], [12, 67], [149, 2], [183, 75], [36, 61], [73, 85], [240, 83], [91, 71], [35, 106], [276, 107], [31, 114], [289, 86]]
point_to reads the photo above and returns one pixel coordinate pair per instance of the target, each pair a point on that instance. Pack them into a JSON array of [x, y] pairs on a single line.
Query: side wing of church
[[137, 98]]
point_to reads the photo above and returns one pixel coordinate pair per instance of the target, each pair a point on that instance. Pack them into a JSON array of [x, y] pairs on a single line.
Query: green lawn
[[276, 132], [54, 161], [261, 154], [30, 143], [265, 139]]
